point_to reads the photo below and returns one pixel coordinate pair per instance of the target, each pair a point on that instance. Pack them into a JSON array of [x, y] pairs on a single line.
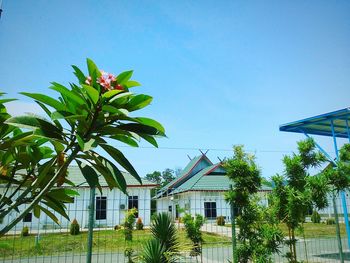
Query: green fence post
[[233, 230], [91, 224]]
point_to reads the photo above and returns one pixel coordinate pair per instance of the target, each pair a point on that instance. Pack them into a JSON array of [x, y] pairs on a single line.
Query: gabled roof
[[207, 179], [78, 179], [185, 174]]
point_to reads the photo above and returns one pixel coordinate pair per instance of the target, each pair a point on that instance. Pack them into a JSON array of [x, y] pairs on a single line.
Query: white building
[[199, 189], [110, 205]]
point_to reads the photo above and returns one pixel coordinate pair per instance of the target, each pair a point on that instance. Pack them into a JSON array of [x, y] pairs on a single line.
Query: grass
[[313, 230], [104, 241]]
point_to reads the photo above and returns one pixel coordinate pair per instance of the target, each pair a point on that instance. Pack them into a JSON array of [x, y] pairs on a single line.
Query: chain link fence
[[49, 242]]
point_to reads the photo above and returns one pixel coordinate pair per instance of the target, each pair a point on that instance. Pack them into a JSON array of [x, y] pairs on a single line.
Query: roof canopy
[[322, 124]]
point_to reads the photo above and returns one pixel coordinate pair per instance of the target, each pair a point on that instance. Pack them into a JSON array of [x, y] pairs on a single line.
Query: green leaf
[[120, 158], [93, 69], [140, 129], [66, 115], [132, 83], [92, 93], [48, 112], [56, 206], [152, 123], [121, 97], [124, 77], [46, 100], [62, 194], [89, 174], [80, 75], [50, 214], [36, 211], [150, 139], [114, 110], [6, 100], [111, 93], [139, 101], [111, 173], [100, 165], [66, 92], [125, 139], [35, 123]]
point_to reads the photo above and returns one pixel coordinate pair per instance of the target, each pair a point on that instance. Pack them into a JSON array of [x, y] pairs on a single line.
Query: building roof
[[78, 179], [322, 124], [210, 178]]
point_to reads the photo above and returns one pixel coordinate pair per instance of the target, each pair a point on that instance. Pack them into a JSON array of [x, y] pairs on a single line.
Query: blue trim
[[342, 194], [321, 120]]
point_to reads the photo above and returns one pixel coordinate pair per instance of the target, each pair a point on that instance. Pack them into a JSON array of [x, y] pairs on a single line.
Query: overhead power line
[[204, 148]]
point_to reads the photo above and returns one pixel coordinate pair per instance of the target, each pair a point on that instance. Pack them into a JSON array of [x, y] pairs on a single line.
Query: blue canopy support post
[[321, 149], [335, 208], [336, 125], [342, 194]]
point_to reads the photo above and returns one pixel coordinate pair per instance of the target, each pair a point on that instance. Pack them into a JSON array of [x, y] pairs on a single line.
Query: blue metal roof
[[322, 124]]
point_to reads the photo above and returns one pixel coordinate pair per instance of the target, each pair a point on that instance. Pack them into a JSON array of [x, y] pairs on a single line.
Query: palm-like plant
[[164, 246], [153, 252]]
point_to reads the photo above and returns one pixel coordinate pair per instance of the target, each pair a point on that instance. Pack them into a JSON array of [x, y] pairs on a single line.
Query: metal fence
[[48, 242]]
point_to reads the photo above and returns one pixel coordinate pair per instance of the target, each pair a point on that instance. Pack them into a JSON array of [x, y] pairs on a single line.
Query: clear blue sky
[[221, 72]]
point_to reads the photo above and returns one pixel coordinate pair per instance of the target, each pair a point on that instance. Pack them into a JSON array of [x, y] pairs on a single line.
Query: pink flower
[[107, 81], [88, 80]]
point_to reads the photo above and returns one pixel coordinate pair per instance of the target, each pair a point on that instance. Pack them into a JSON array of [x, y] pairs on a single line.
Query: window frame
[[101, 213]]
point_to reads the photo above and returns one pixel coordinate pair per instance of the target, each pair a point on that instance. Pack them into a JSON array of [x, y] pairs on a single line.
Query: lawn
[[104, 241], [313, 230]]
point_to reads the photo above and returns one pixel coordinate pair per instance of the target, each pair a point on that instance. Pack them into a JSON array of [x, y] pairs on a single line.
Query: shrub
[[220, 221], [25, 231], [139, 224], [117, 227], [315, 217], [330, 221], [74, 228], [193, 232], [129, 224], [129, 253]]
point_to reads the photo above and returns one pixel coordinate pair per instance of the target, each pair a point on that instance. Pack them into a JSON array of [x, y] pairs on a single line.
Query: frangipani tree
[[35, 152]]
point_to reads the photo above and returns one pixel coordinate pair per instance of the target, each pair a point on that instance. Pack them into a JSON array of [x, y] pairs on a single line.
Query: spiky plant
[[153, 252], [164, 230]]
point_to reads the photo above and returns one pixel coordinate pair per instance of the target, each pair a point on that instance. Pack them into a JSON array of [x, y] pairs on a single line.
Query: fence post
[[91, 224], [233, 230], [337, 228]]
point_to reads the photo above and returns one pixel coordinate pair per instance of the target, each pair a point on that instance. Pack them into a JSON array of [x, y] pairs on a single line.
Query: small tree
[[193, 232], [25, 231], [296, 191], [129, 223], [259, 237], [315, 217]]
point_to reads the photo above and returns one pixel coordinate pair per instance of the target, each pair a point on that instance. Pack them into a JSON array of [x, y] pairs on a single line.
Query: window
[[101, 207], [133, 202], [210, 210], [170, 208], [28, 217]]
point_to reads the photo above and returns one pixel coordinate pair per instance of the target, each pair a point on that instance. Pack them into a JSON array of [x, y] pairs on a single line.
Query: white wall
[[79, 210], [195, 202]]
